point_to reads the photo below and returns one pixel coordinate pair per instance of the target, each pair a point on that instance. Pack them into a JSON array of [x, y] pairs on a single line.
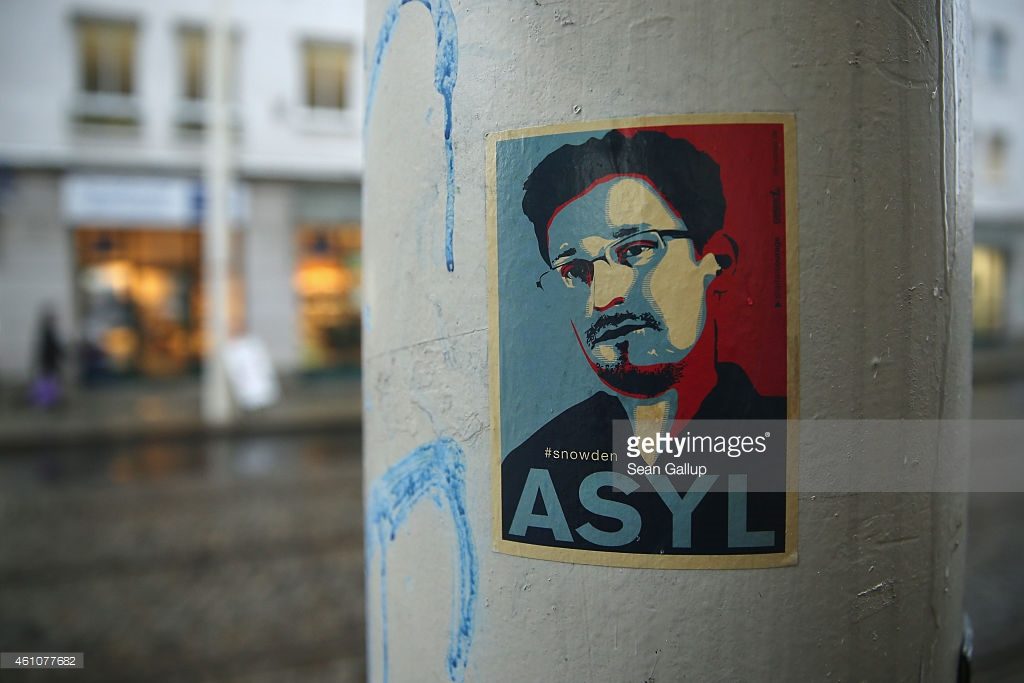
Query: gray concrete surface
[[884, 255]]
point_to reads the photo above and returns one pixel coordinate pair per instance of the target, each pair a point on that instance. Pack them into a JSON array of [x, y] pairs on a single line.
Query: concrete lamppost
[[216, 399], [870, 96]]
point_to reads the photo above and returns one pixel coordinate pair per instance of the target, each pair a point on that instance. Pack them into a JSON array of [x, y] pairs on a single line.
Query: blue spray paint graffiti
[[436, 469], [446, 67]]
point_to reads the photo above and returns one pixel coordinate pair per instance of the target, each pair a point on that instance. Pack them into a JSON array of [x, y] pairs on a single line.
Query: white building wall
[[998, 107], [269, 266], [1015, 286], [999, 110], [35, 270], [280, 137], [281, 144]]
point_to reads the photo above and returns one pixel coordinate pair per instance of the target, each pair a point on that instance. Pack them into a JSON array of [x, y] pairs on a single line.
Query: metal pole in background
[[877, 89], [216, 400]]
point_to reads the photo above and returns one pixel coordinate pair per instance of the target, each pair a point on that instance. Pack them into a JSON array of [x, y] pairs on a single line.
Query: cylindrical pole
[[216, 400], [875, 92]]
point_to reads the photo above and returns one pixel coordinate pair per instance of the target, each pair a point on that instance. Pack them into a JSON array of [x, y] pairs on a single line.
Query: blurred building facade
[[101, 193], [998, 86]]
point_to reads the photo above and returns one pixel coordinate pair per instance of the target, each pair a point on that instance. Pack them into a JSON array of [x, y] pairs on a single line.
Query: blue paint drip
[[436, 469], [446, 68]]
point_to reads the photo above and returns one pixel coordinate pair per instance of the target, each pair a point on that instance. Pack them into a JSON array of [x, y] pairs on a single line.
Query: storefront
[[990, 285], [327, 277], [998, 283], [327, 286], [137, 266], [137, 255]]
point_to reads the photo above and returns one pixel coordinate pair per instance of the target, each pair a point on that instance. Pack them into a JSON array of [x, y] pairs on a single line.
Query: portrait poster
[[643, 341]]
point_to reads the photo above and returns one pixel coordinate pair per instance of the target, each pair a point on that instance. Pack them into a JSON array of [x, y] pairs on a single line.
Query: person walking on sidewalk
[[46, 389]]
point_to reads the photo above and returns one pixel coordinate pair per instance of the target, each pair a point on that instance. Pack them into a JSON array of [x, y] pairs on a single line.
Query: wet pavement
[[170, 409], [994, 597], [208, 560], [240, 559]]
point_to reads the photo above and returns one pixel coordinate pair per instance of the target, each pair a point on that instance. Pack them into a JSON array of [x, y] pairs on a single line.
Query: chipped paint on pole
[[876, 92]]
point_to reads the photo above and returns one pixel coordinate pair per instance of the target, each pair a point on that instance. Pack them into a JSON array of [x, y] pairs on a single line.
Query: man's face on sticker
[[633, 285]]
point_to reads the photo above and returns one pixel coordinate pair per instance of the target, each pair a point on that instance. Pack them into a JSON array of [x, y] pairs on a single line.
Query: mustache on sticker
[[617, 325]]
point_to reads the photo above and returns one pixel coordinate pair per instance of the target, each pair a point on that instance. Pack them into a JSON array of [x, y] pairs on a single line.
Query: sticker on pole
[[643, 341]]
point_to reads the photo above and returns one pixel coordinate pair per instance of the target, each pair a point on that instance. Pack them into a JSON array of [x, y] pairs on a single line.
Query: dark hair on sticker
[[689, 179]]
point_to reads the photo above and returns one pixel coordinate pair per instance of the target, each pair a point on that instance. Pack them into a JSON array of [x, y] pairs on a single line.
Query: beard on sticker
[[644, 381]]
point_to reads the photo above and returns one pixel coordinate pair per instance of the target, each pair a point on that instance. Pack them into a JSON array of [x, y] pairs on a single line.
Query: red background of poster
[[751, 311]]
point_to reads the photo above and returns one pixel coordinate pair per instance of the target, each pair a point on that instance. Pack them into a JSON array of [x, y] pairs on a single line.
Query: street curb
[[186, 430]]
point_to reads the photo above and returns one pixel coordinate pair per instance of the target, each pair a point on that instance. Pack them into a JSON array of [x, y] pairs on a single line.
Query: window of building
[[326, 280], [989, 266], [193, 57], [193, 63], [106, 68], [141, 300], [996, 158], [327, 75], [107, 56], [999, 55], [194, 51]]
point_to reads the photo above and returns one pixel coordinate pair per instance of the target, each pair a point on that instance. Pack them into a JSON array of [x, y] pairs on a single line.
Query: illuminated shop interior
[[326, 282], [140, 302]]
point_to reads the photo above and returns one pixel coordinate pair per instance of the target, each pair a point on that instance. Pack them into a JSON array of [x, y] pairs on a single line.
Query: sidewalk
[[171, 409]]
